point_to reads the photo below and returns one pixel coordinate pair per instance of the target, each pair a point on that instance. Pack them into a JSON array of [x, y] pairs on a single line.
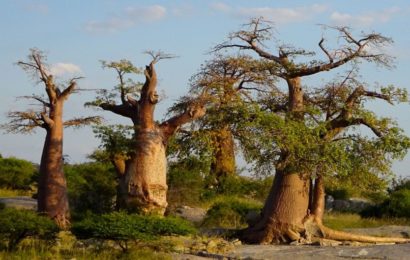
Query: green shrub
[[401, 184], [185, 182], [15, 225], [91, 187], [339, 194], [230, 213], [16, 173], [398, 204], [122, 227]]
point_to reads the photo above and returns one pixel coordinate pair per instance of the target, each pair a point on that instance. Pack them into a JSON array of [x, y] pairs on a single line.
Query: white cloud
[[146, 14], [364, 20], [183, 10], [60, 68], [277, 15], [221, 7], [129, 17]]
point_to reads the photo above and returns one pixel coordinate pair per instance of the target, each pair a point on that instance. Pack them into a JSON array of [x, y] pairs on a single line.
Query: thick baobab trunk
[[287, 217], [52, 189], [284, 211], [224, 155], [145, 179]]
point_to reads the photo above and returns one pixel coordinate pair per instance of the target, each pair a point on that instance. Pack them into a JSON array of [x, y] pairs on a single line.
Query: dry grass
[[340, 221]]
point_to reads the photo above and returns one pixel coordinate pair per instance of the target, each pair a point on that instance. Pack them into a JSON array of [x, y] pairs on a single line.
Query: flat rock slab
[[259, 252], [21, 202]]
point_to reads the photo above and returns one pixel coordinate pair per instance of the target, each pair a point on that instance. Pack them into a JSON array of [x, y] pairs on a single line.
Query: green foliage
[[397, 203], [241, 186], [125, 87], [15, 225], [91, 187], [115, 140], [401, 184], [16, 173], [186, 182], [121, 227], [230, 213]]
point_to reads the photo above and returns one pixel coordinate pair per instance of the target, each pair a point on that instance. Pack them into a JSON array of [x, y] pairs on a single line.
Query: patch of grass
[[14, 193], [340, 221], [36, 253], [227, 198]]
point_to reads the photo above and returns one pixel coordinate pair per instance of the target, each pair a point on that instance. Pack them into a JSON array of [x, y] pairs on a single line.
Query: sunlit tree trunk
[[52, 190]]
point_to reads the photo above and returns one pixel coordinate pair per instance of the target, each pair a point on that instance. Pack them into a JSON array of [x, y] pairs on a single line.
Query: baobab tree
[[52, 188], [233, 83], [299, 143], [143, 187]]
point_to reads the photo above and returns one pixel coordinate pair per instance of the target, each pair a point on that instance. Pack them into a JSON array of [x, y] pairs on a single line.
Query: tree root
[[312, 231], [315, 229], [329, 233]]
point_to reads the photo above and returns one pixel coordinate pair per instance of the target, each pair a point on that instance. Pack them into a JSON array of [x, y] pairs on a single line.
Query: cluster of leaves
[[125, 87], [230, 213], [91, 187], [122, 227], [16, 173], [115, 140], [15, 225]]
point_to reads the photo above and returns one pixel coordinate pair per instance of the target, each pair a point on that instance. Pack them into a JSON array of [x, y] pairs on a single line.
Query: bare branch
[[23, 122], [70, 89], [38, 98], [325, 51], [159, 55], [194, 110], [82, 121]]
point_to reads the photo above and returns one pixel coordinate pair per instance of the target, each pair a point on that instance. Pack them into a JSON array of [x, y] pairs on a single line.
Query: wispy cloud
[[365, 19], [37, 8], [278, 15], [129, 17], [60, 68]]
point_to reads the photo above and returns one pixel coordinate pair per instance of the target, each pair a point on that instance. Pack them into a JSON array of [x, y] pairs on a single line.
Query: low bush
[[91, 188], [16, 173], [15, 225], [230, 213], [122, 227], [185, 182]]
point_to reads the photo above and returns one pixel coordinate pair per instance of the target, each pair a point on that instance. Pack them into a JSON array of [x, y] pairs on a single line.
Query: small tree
[[16, 225], [143, 187], [233, 83], [52, 189]]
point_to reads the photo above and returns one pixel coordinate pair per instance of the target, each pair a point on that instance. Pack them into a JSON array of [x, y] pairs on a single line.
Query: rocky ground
[[235, 250], [304, 252]]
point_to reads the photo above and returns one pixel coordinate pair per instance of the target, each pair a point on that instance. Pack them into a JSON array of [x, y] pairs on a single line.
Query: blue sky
[[77, 34]]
